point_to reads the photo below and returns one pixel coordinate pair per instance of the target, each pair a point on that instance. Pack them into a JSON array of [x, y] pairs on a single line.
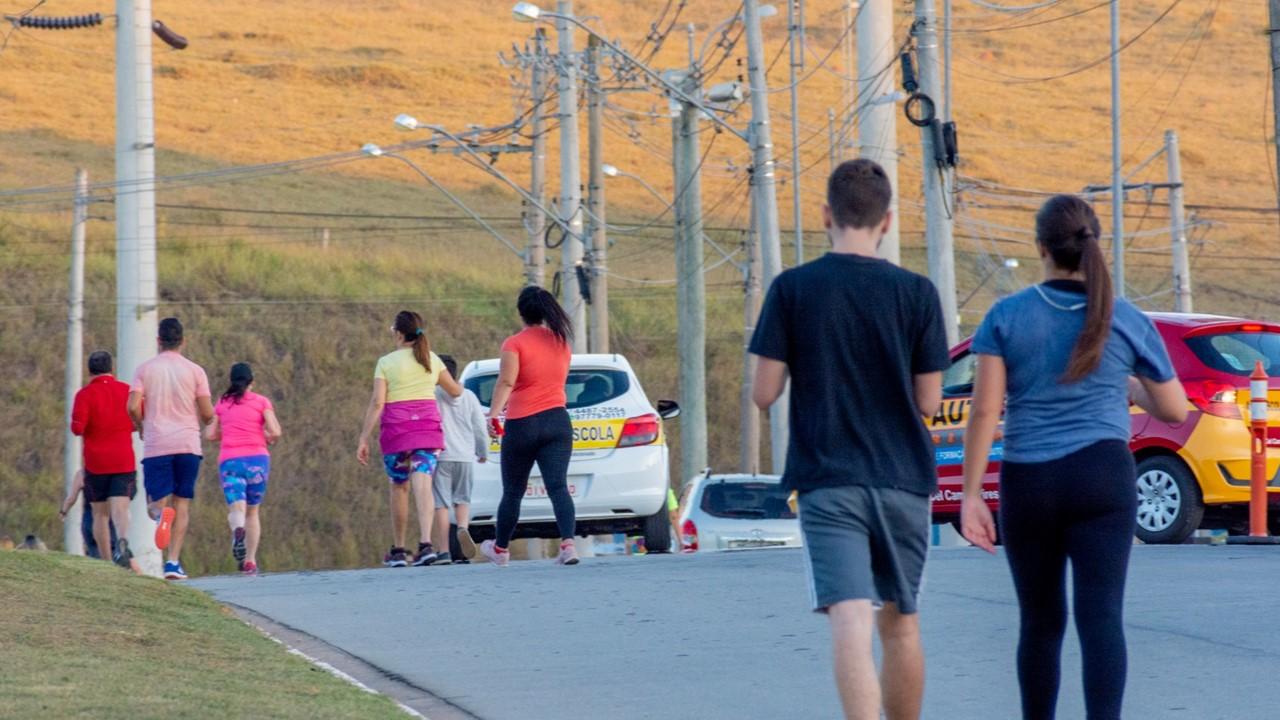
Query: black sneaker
[[396, 557], [443, 558], [462, 561], [123, 556], [238, 550], [425, 555]]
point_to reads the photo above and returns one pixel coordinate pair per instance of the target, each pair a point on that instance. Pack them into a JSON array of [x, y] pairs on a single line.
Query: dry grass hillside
[[266, 82]]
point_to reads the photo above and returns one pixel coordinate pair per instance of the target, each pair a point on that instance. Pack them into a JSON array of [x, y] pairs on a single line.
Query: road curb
[[418, 700]]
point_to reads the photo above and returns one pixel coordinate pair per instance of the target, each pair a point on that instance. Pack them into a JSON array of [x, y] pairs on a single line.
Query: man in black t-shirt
[[864, 344]]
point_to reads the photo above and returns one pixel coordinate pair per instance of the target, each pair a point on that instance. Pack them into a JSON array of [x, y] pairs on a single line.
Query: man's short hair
[[99, 362], [450, 364], [858, 194], [170, 334]]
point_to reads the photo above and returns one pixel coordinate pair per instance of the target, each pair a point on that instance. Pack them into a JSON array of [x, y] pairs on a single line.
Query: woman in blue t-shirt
[[1070, 358]]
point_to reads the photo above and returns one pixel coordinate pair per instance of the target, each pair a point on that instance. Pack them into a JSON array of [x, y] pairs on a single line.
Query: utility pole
[[849, 94], [765, 197], [1117, 176], [946, 61], [941, 252], [834, 157], [535, 261], [598, 256], [749, 420], [135, 204], [571, 248], [1274, 18], [878, 124], [795, 44], [1178, 226], [72, 447], [691, 298]]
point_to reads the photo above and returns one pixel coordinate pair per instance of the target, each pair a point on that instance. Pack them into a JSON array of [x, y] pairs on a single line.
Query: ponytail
[[539, 307], [241, 379], [1068, 229], [410, 326]]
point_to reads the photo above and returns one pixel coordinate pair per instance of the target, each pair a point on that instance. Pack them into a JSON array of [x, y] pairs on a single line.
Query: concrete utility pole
[[946, 61], [136, 295], [878, 124], [765, 197], [535, 261], [834, 157], [1117, 171], [72, 448], [795, 44], [597, 258], [691, 297], [1178, 226], [942, 261], [749, 451], [849, 93], [1274, 18], [571, 249]]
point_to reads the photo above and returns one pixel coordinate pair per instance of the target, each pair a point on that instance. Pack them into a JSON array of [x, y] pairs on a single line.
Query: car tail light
[[689, 536], [642, 430], [1214, 398]]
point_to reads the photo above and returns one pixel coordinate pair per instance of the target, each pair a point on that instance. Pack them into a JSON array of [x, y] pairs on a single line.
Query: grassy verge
[[81, 638]]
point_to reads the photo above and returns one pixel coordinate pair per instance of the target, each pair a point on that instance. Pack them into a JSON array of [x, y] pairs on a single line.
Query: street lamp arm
[[456, 201], [651, 73]]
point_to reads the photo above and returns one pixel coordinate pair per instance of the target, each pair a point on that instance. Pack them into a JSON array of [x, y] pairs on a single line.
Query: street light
[[374, 150]]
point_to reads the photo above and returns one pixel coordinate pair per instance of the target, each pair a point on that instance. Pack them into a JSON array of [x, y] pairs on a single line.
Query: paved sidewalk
[[727, 636]]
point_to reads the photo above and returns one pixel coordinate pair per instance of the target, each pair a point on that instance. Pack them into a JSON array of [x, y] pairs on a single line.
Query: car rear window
[[1236, 353], [748, 500], [584, 388]]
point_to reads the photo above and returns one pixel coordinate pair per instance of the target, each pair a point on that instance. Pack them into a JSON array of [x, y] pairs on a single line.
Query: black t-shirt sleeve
[[930, 353], [772, 335]]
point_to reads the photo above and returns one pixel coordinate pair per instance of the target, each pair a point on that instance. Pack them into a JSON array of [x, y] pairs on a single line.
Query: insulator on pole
[[65, 22]]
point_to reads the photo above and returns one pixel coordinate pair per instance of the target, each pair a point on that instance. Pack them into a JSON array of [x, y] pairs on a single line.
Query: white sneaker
[[495, 556], [568, 553]]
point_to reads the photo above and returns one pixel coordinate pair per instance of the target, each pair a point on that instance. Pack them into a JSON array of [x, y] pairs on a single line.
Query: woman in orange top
[[530, 389]]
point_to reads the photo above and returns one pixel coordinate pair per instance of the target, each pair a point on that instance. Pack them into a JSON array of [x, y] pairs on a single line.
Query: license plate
[[537, 490], [755, 543]]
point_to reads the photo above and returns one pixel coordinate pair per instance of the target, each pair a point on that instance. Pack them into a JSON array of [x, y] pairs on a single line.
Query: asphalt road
[[728, 635]]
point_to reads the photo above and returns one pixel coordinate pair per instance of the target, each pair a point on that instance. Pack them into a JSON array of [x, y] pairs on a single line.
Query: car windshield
[[584, 388], [1236, 352], [747, 500]]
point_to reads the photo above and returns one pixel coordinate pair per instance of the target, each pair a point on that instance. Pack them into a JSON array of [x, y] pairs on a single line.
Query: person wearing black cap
[[246, 424]]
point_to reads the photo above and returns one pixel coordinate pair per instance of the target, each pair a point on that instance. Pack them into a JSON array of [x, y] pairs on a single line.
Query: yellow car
[[1191, 475]]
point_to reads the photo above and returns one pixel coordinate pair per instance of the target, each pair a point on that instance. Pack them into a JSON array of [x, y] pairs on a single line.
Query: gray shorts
[[452, 483], [864, 543]]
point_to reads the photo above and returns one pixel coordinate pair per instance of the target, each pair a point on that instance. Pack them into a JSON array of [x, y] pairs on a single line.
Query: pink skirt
[[411, 425]]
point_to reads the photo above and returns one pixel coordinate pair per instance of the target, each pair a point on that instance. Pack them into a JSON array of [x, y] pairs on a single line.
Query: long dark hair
[[410, 326], [241, 379], [537, 306], [1068, 229]]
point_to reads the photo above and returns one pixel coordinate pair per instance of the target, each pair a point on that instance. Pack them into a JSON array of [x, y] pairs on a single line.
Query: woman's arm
[[1165, 401], [376, 403], [451, 386], [989, 387], [271, 426], [508, 371], [213, 432]]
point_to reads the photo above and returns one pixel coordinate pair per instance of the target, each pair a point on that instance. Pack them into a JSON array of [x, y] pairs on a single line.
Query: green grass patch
[[82, 638]]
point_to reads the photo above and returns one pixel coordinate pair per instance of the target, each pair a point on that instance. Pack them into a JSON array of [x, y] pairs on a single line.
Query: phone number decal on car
[[598, 413]]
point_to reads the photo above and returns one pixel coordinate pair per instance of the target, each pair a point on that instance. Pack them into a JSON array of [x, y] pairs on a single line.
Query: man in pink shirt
[[169, 401]]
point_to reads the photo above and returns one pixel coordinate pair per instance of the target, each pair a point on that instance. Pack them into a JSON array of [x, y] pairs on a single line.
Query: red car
[[1190, 475]]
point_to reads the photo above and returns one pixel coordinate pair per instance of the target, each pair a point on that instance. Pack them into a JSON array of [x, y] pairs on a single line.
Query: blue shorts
[[170, 475], [403, 464], [244, 479]]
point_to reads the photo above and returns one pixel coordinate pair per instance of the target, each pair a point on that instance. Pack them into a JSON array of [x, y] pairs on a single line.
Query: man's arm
[[204, 405], [928, 392], [136, 411], [771, 380], [79, 415]]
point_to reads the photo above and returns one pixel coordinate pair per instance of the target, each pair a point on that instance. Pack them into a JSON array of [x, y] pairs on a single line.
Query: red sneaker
[[164, 527], [249, 568]]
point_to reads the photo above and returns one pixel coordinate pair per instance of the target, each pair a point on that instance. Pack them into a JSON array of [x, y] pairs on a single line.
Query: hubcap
[[1159, 500]]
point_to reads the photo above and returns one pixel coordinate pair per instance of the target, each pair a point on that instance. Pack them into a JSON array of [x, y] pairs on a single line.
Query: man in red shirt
[[100, 415]]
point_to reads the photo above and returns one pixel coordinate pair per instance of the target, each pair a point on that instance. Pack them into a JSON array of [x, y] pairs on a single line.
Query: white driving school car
[[618, 476]]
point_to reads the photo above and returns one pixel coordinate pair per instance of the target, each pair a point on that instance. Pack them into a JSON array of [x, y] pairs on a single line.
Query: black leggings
[[547, 439], [1080, 508]]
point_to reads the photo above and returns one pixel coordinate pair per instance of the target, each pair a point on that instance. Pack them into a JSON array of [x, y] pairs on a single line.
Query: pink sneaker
[[249, 568], [495, 556], [568, 553]]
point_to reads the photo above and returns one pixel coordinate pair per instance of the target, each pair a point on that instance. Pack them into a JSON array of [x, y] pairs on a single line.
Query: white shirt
[[466, 436]]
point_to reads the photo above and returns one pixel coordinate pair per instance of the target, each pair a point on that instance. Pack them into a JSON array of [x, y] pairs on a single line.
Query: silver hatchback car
[[737, 512]]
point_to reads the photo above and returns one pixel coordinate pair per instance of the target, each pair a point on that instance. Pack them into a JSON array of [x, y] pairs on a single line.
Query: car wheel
[[657, 531], [1169, 504]]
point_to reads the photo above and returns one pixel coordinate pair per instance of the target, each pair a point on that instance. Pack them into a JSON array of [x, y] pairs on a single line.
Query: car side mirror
[[668, 409]]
